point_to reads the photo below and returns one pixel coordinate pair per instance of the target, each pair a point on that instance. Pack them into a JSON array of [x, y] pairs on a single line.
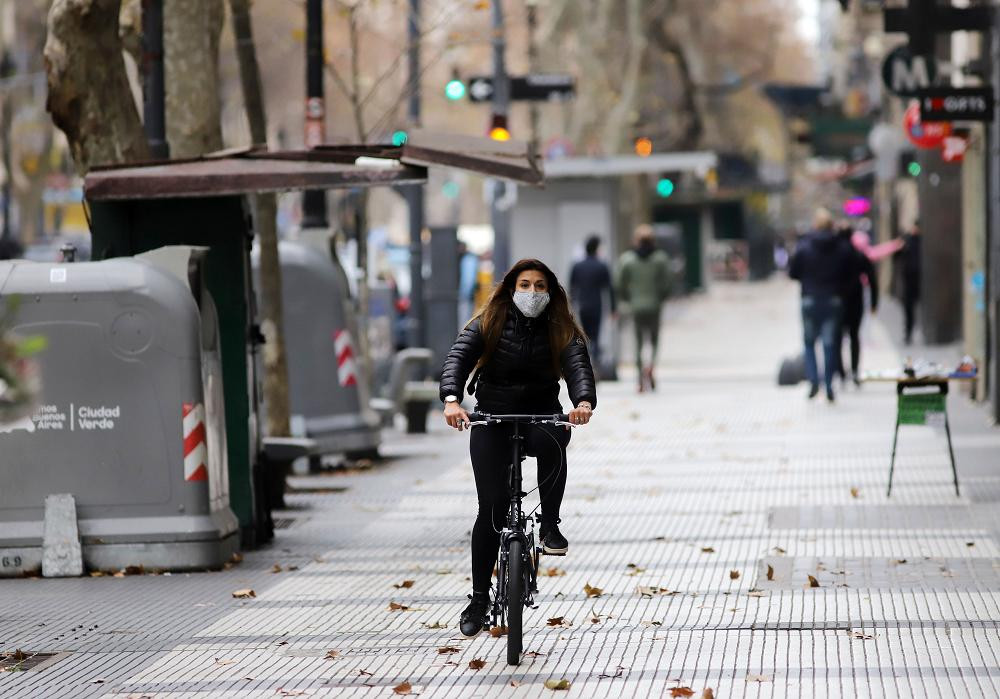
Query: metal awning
[[249, 171], [615, 166]]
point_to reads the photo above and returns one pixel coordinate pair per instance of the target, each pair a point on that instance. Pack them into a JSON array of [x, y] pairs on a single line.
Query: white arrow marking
[[480, 89]]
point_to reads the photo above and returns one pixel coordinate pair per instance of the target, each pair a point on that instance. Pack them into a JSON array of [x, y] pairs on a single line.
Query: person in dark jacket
[[589, 280], [520, 343], [909, 256], [853, 302], [823, 263]]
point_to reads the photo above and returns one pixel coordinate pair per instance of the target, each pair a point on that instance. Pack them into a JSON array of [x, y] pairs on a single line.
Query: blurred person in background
[[643, 283], [823, 263], [910, 273], [853, 300], [589, 279], [468, 271]]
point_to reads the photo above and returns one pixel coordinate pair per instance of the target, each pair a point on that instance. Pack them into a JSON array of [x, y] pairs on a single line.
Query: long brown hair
[[563, 328]]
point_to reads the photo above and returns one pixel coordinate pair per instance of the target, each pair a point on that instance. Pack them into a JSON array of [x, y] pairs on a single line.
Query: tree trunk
[[191, 30], [89, 96], [275, 361]]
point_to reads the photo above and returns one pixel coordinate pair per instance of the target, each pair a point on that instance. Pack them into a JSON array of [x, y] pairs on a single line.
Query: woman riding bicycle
[[520, 344]]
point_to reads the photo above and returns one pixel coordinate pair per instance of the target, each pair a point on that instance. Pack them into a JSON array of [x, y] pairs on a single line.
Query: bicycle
[[517, 567]]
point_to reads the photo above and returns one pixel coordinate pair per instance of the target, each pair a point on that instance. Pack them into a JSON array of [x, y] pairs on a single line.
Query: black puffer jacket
[[519, 376]]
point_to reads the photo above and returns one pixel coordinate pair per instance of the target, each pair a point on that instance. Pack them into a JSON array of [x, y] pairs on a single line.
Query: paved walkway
[[702, 512]]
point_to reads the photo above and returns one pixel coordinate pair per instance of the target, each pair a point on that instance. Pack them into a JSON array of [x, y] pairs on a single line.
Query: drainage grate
[[18, 660]]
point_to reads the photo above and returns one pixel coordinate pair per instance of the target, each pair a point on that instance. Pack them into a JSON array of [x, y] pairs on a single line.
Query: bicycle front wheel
[[515, 601]]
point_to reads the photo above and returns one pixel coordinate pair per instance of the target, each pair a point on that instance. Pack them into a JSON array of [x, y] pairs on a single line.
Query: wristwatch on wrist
[[451, 399]]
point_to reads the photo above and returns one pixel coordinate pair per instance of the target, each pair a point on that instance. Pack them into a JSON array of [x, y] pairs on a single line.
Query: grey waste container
[[325, 383], [129, 420]]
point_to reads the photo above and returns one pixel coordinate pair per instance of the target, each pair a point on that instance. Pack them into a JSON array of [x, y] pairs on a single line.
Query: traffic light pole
[[314, 201], [500, 219], [415, 193], [153, 106]]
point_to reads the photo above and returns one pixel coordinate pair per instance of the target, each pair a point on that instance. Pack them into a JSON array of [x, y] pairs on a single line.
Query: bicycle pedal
[[553, 553]]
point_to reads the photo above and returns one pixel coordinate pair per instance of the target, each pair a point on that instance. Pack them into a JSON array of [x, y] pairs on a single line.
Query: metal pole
[[533, 109], [415, 193], [7, 68], [993, 229], [501, 106], [153, 108], [314, 202]]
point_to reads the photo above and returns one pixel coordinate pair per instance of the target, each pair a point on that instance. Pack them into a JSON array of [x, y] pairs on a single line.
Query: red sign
[[953, 149], [924, 134]]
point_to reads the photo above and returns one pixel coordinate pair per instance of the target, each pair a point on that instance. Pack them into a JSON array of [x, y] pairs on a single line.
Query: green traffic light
[[665, 187], [455, 89], [913, 168], [398, 138]]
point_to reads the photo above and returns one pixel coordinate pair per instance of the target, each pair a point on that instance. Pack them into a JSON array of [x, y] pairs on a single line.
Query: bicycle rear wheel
[[515, 601]]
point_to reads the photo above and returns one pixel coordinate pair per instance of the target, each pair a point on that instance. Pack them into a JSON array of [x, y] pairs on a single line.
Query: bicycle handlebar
[[486, 419]]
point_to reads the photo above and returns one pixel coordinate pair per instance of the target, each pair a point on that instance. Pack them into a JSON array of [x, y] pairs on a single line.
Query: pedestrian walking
[[643, 283], [519, 343], [823, 264], [468, 272], [910, 270], [589, 282], [853, 302]]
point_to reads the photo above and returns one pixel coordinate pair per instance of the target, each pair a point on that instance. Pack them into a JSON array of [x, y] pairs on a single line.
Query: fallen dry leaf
[[681, 692], [477, 664], [813, 582], [244, 594], [406, 584], [559, 621], [619, 671], [707, 549], [553, 572], [855, 493], [592, 591], [708, 693], [365, 673], [734, 575], [276, 568], [770, 572], [481, 5], [862, 636], [444, 650], [515, 683], [237, 557], [533, 654], [779, 550], [331, 654], [397, 607], [758, 678], [557, 684], [97, 573], [650, 591], [435, 625], [498, 631], [756, 593], [292, 692], [402, 688]]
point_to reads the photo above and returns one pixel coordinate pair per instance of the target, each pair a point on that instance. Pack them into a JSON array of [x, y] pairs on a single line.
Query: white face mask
[[531, 303]]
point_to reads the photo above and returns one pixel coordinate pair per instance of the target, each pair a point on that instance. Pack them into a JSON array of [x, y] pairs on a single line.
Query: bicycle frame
[[517, 528], [517, 523]]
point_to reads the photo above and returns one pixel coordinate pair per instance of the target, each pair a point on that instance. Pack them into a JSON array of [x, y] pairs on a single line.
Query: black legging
[[854, 309], [490, 448]]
